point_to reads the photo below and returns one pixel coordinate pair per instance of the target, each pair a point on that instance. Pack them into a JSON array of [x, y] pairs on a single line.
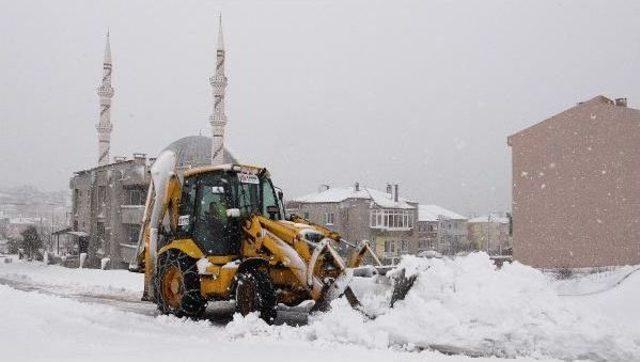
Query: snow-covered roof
[[339, 194], [435, 213], [497, 218], [24, 220]]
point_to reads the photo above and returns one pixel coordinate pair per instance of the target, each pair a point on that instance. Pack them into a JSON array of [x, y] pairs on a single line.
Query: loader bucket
[[386, 274], [401, 286], [335, 290], [398, 279]]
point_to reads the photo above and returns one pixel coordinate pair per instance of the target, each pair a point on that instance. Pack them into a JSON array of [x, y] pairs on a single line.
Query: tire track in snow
[[219, 313], [602, 290], [122, 302]]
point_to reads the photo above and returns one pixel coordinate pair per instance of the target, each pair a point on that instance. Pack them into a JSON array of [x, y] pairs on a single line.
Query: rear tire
[[255, 293], [177, 286]]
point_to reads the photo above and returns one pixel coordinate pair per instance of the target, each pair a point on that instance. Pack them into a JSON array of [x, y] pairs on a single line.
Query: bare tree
[[31, 242]]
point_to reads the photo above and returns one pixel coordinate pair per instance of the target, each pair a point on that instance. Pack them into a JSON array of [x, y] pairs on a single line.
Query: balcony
[[131, 214], [391, 228], [391, 220]]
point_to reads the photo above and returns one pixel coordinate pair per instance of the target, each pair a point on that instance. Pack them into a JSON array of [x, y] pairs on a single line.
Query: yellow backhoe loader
[[219, 233]]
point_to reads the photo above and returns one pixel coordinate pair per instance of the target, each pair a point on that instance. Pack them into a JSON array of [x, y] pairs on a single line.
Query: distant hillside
[[30, 195]]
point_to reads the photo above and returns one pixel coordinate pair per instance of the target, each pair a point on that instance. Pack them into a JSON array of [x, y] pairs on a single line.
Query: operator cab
[[216, 200]]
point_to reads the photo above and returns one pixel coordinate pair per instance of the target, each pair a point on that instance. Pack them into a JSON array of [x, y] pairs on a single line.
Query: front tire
[[177, 286], [255, 293]]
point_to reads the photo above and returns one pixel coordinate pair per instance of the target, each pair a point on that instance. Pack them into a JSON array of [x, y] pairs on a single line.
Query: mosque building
[[108, 200]]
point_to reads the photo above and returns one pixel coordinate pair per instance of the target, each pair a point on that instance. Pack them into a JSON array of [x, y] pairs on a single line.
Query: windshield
[[255, 194], [218, 234]]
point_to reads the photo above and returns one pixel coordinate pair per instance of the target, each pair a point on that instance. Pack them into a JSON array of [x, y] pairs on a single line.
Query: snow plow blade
[[401, 286], [335, 290], [386, 274], [393, 276]]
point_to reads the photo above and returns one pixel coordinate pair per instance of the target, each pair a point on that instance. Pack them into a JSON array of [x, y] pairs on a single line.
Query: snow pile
[[592, 283], [73, 281], [466, 302], [619, 300]]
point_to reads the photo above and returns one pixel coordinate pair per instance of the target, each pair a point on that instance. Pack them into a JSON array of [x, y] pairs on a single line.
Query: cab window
[[270, 204], [213, 230], [213, 209], [187, 206]]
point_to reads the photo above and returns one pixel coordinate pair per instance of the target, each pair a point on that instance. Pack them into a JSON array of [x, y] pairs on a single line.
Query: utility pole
[[488, 233]]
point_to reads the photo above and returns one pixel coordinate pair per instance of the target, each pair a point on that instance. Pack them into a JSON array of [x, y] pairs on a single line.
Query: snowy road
[[121, 302], [54, 313], [217, 313]]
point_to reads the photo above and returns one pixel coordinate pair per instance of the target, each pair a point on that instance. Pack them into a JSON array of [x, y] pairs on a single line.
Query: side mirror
[[280, 195], [272, 210], [233, 212]]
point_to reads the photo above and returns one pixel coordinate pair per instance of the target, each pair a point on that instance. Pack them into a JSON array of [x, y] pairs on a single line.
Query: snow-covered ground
[[55, 313]]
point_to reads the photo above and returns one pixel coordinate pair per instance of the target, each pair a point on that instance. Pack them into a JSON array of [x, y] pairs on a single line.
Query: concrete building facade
[[576, 187], [107, 206], [394, 225], [441, 230], [362, 213], [490, 233]]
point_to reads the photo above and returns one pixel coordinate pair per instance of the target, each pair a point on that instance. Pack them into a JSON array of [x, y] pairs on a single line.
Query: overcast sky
[[420, 93]]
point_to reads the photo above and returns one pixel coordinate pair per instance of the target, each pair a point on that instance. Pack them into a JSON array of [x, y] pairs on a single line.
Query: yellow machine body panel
[[217, 282], [186, 246]]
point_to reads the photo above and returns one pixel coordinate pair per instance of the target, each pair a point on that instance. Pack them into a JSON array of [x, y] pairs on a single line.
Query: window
[[329, 218], [391, 219], [404, 246], [248, 197], [389, 246], [101, 235], [212, 208], [270, 201], [132, 233], [76, 199], [134, 196], [306, 215], [187, 207], [212, 229], [102, 194], [100, 230]]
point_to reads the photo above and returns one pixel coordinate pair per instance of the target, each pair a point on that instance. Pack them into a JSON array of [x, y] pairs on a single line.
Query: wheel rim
[[246, 297], [172, 287]]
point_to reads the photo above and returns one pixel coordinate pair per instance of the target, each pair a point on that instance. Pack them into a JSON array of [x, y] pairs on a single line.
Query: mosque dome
[[195, 151]]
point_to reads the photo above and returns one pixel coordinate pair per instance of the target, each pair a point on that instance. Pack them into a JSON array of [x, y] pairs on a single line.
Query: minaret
[[218, 118], [105, 92]]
